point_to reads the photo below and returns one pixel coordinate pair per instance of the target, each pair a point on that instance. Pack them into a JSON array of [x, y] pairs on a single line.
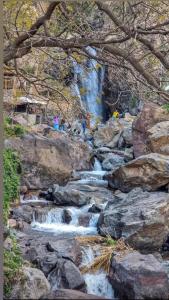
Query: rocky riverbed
[[105, 189]]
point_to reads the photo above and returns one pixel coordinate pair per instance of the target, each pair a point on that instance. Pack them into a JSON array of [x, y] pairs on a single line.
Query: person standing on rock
[[88, 120], [62, 124], [83, 124], [56, 123]]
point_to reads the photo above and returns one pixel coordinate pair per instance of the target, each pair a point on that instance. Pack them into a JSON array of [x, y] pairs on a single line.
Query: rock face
[[47, 161], [150, 115], [39, 249], [69, 294], [114, 134], [137, 276], [141, 218], [112, 162], [107, 135], [66, 275], [158, 138], [69, 196], [149, 171], [33, 286]]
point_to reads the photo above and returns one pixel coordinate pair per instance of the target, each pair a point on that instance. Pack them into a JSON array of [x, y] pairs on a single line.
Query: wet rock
[[67, 217], [150, 115], [141, 218], [137, 276], [128, 154], [69, 196], [158, 138], [66, 275], [84, 219], [67, 248], [46, 161], [95, 208], [24, 213], [149, 171], [33, 285], [112, 161], [69, 294]]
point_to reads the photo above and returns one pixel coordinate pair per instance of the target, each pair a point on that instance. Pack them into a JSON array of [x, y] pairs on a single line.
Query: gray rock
[[69, 196], [141, 218], [149, 171], [66, 216], [112, 162], [95, 208], [66, 275], [69, 294], [49, 160], [33, 285], [25, 213], [128, 154], [137, 276]]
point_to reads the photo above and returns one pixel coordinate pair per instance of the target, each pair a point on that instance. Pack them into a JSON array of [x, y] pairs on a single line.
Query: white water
[[97, 283], [53, 222], [87, 86], [97, 165]]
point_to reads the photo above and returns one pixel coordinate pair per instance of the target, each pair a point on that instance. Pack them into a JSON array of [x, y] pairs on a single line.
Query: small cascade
[[97, 165], [53, 222], [97, 283]]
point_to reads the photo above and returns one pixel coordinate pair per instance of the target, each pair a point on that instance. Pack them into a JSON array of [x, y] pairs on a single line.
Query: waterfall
[[97, 283], [87, 86], [97, 165]]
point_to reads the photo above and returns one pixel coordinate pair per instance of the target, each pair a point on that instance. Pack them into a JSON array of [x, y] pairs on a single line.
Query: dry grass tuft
[[108, 248]]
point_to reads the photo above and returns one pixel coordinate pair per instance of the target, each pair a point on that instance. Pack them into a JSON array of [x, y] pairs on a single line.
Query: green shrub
[[166, 107], [12, 265], [11, 180], [14, 130]]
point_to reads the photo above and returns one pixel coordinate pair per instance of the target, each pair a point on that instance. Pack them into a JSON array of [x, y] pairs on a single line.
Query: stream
[[52, 221]]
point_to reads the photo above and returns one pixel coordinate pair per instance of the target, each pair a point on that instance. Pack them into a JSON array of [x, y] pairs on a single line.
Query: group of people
[[85, 120], [58, 124]]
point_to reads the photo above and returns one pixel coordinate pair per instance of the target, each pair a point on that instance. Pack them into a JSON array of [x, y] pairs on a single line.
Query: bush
[[12, 265], [166, 107], [14, 130], [11, 180]]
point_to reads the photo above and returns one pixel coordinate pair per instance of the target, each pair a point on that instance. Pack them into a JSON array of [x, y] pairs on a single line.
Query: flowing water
[[52, 221], [87, 85]]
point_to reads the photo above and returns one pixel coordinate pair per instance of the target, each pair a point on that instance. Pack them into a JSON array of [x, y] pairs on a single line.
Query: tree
[[128, 35]]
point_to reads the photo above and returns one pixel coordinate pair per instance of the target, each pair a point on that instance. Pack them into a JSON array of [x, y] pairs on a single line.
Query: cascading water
[[97, 283], [87, 85], [53, 222]]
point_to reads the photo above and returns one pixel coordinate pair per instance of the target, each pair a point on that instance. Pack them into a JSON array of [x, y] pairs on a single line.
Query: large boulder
[[114, 134], [141, 218], [69, 294], [158, 138], [112, 162], [46, 161], [38, 248], [107, 135], [66, 275], [137, 276], [150, 172], [32, 285], [69, 196], [150, 115]]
